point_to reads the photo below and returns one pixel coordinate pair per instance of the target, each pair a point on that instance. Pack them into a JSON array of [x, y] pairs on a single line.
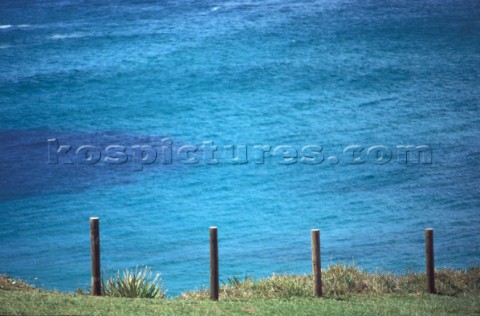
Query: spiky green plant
[[134, 283]]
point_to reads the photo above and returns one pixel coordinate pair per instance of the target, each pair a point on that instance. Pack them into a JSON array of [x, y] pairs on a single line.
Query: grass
[[342, 280], [54, 303], [348, 291]]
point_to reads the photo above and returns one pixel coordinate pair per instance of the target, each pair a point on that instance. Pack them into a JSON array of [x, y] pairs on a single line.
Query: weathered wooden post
[[95, 254], [316, 263], [430, 260], [214, 282]]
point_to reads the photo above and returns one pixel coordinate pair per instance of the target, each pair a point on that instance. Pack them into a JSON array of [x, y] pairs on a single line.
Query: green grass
[[48, 303], [348, 291]]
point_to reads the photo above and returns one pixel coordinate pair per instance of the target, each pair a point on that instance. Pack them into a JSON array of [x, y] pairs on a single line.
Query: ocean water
[[327, 73]]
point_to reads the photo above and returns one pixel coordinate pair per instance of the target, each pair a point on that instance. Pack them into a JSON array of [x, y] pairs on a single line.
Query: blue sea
[[325, 73]]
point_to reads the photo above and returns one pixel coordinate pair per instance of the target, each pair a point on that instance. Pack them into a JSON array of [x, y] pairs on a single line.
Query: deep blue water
[[328, 73]]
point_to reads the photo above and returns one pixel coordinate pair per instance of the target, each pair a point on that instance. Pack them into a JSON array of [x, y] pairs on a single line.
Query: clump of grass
[[342, 280], [454, 282], [134, 283], [9, 284], [276, 286]]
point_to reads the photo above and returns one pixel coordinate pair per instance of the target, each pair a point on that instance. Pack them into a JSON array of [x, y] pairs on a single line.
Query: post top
[[315, 230], [93, 218], [213, 227], [428, 228]]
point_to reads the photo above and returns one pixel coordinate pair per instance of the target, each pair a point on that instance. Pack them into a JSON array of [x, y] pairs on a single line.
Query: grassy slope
[[48, 303], [348, 291]]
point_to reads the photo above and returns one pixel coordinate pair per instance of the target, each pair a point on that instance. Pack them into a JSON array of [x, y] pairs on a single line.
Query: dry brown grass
[[9, 284]]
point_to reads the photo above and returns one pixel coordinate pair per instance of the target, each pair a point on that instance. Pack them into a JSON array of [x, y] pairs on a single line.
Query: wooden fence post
[[214, 282], [316, 263], [430, 260], [95, 254]]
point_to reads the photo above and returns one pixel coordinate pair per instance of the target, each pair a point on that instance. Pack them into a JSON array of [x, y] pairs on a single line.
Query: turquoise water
[[327, 73]]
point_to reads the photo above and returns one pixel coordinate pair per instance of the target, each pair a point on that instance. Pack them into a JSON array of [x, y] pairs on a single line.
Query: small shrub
[[133, 283]]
